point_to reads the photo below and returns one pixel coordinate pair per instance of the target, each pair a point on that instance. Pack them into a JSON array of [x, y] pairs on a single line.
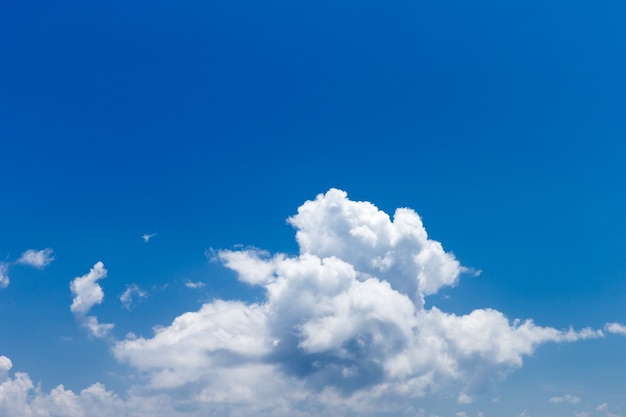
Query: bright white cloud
[[570, 399], [615, 328], [146, 237], [342, 331], [131, 293], [86, 290], [87, 293], [4, 275], [343, 324], [37, 258]]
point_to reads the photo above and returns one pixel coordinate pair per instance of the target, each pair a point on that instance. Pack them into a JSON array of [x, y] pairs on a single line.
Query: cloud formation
[[570, 399], [4, 275], [615, 328], [343, 330], [343, 324], [131, 293], [37, 258], [87, 293]]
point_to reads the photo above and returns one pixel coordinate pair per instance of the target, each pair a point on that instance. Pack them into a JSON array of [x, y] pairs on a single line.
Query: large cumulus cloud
[[343, 325]]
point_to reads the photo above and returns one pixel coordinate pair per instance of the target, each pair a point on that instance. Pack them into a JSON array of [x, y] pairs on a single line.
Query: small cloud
[[4, 275], [87, 293], [601, 407], [524, 414], [96, 328], [464, 399], [131, 291], [615, 328], [37, 258], [581, 414], [461, 414], [194, 285], [146, 238], [571, 399]]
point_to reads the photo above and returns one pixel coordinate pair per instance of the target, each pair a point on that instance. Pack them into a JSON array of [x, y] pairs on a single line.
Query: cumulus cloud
[[4, 275], [37, 258], [571, 399], [132, 293], [146, 237], [343, 330], [87, 293], [343, 324], [602, 407]]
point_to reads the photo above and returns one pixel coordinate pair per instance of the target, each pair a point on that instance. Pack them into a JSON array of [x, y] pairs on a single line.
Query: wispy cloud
[[131, 293], [146, 237], [464, 399], [194, 285], [570, 399], [4, 275], [37, 258]]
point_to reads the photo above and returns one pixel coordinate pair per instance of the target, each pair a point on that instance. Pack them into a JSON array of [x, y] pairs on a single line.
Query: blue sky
[[208, 125]]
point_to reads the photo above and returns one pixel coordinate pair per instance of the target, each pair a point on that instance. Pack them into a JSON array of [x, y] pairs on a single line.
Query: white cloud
[[342, 331], [581, 414], [86, 290], [524, 414], [19, 396], [571, 399], [343, 324], [87, 293], [4, 275], [146, 237], [602, 407], [132, 292], [461, 414], [464, 399], [37, 258], [194, 285], [615, 328]]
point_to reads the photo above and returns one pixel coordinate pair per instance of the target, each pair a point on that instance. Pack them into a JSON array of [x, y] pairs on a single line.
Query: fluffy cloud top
[[343, 323], [37, 258]]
